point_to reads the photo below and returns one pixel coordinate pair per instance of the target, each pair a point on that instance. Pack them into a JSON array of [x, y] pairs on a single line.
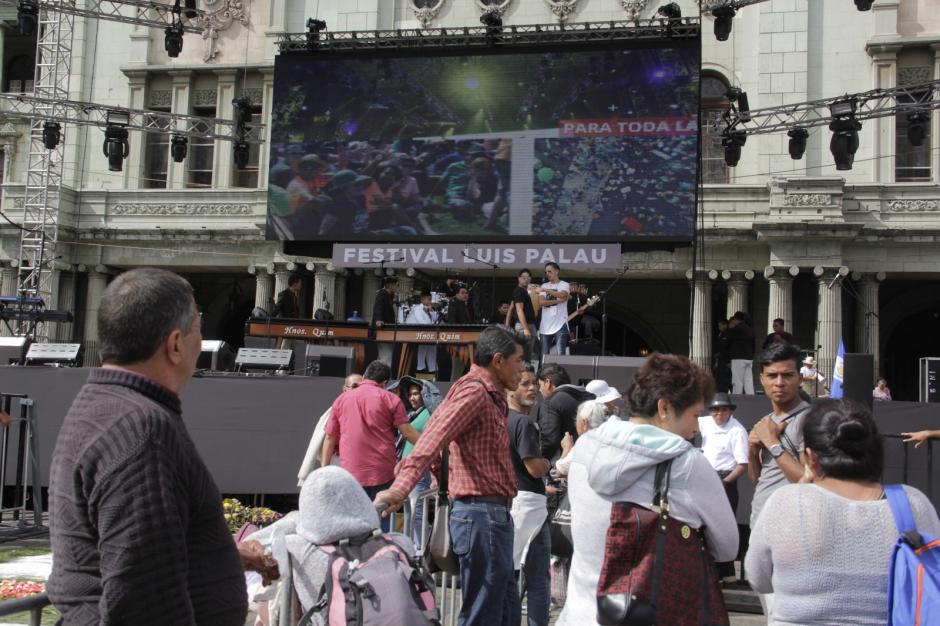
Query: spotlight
[[798, 138], [178, 144], [314, 27], [917, 127], [724, 16], [27, 17], [863, 5], [240, 153], [190, 11], [843, 108], [115, 147], [491, 19], [737, 95], [670, 11], [51, 135], [731, 141], [241, 110], [173, 40], [844, 141]]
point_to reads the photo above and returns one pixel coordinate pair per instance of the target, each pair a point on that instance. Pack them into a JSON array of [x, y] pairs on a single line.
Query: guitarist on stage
[[584, 313]]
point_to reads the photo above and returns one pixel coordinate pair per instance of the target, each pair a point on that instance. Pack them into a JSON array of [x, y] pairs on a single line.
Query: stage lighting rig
[[491, 19], [241, 109], [115, 147], [240, 154], [917, 127], [732, 141], [670, 11], [798, 137], [178, 145], [739, 103], [51, 134], [724, 18], [863, 5], [173, 40], [314, 28], [27, 17]]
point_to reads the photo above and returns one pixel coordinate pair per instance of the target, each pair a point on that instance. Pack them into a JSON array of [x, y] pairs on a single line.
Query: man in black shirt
[[532, 544], [779, 335], [458, 312], [523, 314], [383, 312], [288, 303], [741, 353]]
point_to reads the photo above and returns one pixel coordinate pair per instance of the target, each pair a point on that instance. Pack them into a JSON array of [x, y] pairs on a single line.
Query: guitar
[[590, 302]]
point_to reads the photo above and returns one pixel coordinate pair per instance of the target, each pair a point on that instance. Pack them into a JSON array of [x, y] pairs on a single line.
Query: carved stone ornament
[[255, 94], [914, 75], [913, 205], [497, 7], [426, 10], [181, 209], [634, 8], [708, 5], [562, 8], [220, 14], [161, 98], [204, 97], [807, 199]]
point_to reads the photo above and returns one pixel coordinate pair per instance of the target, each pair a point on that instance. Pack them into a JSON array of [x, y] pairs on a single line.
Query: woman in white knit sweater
[[823, 546]]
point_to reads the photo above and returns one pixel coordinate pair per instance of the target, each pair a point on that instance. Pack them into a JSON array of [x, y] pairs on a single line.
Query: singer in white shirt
[[424, 314], [553, 294]]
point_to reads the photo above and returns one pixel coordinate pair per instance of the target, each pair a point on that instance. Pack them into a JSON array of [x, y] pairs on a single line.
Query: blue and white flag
[[838, 372]]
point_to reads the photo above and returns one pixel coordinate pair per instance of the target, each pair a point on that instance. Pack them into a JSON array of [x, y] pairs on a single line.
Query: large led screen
[[575, 145]]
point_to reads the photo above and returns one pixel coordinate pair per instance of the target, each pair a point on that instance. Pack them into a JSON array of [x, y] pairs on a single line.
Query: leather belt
[[505, 501]]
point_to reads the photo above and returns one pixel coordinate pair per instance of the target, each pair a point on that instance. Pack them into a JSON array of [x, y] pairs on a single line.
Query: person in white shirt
[[811, 381], [553, 329], [724, 444], [424, 314]]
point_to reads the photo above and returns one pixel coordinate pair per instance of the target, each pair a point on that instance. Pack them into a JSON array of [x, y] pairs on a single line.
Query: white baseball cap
[[602, 391]]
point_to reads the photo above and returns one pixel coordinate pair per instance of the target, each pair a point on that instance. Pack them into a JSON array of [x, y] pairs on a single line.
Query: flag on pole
[[838, 372]]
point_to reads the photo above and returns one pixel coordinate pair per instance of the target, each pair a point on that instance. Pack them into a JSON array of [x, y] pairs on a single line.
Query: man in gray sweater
[[135, 518]]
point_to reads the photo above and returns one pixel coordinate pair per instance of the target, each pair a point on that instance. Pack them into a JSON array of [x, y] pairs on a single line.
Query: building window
[[911, 163], [156, 159], [248, 177], [714, 104], [200, 157]]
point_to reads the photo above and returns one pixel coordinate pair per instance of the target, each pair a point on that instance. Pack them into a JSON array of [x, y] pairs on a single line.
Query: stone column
[[324, 291], [738, 283], [97, 281], [828, 317], [8, 276], [934, 124], [137, 90], [281, 275], [66, 302], [370, 284], [867, 335], [48, 331], [264, 285], [700, 350], [181, 90], [223, 166], [780, 303], [885, 68], [339, 307]]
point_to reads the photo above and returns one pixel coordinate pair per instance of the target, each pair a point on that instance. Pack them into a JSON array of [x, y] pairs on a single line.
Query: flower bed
[[12, 589]]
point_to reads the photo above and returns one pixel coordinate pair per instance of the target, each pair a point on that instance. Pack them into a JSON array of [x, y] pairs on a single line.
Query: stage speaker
[[260, 342], [13, 350], [59, 354], [329, 360], [579, 368], [858, 378], [258, 359], [618, 371], [216, 356], [587, 348]]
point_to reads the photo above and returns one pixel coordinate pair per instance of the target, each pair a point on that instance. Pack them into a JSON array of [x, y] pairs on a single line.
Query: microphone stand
[[495, 267], [603, 295]]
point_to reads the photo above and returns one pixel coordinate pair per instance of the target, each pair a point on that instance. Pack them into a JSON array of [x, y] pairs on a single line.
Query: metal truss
[[18, 106], [733, 4], [623, 31], [151, 14], [917, 98]]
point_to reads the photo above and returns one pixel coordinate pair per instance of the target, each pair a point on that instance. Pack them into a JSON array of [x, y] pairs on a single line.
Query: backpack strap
[[903, 515]]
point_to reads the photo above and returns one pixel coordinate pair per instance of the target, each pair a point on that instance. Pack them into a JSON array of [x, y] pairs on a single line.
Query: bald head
[[351, 382]]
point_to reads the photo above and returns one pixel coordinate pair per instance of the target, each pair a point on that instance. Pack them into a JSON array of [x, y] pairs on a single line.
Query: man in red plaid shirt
[[473, 420]]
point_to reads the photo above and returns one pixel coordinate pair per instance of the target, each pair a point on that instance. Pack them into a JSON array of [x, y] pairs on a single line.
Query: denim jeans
[[482, 534], [371, 491], [536, 580], [418, 507], [559, 340]]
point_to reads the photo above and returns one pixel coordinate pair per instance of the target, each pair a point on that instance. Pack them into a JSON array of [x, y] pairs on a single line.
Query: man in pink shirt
[[363, 421]]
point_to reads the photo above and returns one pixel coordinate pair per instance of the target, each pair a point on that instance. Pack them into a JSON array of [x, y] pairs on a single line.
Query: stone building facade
[[777, 232]]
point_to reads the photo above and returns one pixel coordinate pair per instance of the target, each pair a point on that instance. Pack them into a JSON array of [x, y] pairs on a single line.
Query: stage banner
[[478, 256], [577, 144]]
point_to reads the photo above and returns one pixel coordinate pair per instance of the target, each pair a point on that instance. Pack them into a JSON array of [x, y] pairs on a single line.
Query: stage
[[253, 432]]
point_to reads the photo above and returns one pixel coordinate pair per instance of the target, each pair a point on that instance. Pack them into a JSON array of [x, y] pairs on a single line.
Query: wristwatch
[[776, 450]]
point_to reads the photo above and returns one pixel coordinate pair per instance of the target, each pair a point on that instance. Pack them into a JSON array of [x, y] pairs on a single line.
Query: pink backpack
[[375, 580]]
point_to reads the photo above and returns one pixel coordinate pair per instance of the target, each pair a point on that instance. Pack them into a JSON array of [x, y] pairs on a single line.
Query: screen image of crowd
[[608, 186], [422, 147]]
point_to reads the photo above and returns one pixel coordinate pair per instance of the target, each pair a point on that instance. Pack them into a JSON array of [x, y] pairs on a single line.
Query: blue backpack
[[914, 577]]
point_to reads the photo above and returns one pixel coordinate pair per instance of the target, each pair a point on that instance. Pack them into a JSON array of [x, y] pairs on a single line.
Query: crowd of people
[[139, 537]]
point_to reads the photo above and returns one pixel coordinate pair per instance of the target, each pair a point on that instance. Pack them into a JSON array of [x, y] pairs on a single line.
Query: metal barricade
[[34, 604], [25, 459]]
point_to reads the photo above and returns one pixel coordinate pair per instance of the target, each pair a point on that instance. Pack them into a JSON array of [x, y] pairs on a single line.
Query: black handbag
[[560, 528]]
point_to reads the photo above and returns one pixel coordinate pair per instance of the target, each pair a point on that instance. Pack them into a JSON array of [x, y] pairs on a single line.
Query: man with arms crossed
[[522, 316], [775, 444], [135, 518], [472, 422], [552, 297]]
